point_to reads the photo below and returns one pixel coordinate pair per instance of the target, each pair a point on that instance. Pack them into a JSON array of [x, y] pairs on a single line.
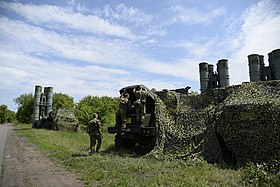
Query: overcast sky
[[95, 47]]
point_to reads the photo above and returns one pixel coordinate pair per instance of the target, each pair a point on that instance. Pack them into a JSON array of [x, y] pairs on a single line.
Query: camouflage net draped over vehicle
[[65, 120], [231, 125]]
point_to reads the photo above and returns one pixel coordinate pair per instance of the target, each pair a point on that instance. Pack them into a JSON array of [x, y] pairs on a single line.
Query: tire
[[118, 142], [123, 143], [128, 144]]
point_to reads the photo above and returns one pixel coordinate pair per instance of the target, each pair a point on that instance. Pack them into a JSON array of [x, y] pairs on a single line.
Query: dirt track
[[24, 166]]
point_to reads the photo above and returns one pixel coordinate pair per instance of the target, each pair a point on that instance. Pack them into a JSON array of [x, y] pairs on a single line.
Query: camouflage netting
[[231, 125], [65, 120]]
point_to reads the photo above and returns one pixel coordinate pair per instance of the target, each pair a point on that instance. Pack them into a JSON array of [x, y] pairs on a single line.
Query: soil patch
[[24, 165]]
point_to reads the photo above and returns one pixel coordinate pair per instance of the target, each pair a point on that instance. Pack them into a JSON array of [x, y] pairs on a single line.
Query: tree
[[25, 110], [3, 111], [86, 107], [6, 115], [108, 109], [10, 116], [105, 106], [61, 100]]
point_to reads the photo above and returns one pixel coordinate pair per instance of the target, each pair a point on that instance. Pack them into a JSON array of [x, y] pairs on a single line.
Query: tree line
[[6, 115], [105, 106]]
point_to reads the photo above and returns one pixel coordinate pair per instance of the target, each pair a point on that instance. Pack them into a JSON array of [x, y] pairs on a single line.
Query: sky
[[96, 47]]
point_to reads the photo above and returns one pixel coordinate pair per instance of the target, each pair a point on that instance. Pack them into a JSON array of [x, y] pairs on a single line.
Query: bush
[[257, 175]]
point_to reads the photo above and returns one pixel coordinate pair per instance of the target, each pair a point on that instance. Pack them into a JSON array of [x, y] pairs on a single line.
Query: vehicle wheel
[[129, 145], [118, 142]]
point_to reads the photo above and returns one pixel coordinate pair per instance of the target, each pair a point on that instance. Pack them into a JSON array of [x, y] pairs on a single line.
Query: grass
[[125, 168]]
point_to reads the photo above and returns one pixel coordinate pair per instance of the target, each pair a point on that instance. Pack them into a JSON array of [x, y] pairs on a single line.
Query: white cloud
[[48, 15], [200, 48], [71, 2], [35, 51], [130, 14], [186, 68], [156, 31], [194, 16], [99, 76], [259, 34], [26, 71], [30, 39], [138, 20]]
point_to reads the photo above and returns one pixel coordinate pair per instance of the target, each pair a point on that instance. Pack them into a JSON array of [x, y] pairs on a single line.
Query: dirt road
[[24, 166]]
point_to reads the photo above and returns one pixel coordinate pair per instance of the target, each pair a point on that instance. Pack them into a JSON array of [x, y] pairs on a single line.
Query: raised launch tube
[[204, 76], [210, 69], [254, 67], [261, 58], [274, 59], [36, 108], [223, 72], [49, 95]]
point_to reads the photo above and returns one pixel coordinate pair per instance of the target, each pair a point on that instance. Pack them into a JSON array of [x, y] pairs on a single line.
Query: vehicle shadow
[[137, 151], [21, 129]]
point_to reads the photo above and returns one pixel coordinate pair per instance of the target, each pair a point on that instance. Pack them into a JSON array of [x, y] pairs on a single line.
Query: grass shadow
[[21, 129], [137, 151], [79, 155]]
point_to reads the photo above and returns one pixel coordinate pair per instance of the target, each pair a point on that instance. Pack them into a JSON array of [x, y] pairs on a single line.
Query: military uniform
[[140, 104], [123, 107], [94, 131]]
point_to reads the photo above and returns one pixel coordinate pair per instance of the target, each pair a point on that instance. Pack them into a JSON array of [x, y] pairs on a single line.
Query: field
[[113, 167]]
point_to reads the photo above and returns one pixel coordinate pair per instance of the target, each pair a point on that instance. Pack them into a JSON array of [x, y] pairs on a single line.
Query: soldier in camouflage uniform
[[94, 131], [124, 105], [140, 103]]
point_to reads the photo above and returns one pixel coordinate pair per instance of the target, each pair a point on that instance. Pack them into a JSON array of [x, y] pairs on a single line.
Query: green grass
[[125, 168]]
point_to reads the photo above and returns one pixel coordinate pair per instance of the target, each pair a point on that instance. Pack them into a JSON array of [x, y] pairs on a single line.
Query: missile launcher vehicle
[[134, 131]]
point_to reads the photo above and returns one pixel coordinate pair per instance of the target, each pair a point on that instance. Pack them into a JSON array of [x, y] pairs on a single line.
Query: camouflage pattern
[[228, 126], [124, 105], [64, 120], [94, 131], [141, 95]]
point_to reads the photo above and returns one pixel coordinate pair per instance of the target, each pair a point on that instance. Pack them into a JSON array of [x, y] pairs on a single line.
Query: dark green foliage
[[24, 99], [63, 101], [257, 175], [6, 115], [10, 116], [104, 106], [25, 110], [3, 110]]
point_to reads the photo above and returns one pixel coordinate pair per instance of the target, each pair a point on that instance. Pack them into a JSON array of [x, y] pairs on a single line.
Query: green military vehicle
[[139, 127]]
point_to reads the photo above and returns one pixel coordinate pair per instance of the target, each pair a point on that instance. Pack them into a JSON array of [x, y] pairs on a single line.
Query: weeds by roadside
[[113, 167], [257, 175]]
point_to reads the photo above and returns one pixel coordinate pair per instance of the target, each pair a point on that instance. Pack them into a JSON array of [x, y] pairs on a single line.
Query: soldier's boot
[[97, 149], [90, 151], [92, 144]]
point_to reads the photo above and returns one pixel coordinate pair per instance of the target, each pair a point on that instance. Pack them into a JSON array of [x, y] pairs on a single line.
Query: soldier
[[140, 103], [124, 105], [94, 131]]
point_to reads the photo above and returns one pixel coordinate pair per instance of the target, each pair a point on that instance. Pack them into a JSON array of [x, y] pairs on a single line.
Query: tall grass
[[124, 168]]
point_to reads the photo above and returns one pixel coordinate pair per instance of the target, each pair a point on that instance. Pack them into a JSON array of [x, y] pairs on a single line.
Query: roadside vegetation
[[113, 167], [6, 115], [105, 106]]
